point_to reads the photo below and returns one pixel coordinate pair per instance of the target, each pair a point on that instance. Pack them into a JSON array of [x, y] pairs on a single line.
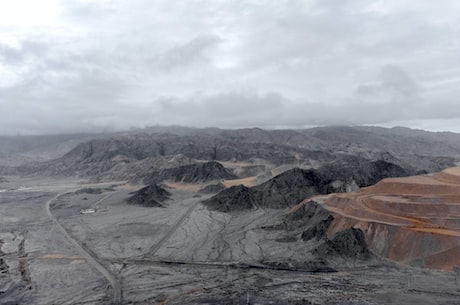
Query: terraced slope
[[412, 220]]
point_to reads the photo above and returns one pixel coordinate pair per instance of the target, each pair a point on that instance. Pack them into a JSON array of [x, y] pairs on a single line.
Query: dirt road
[[112, 279], [193, 203]]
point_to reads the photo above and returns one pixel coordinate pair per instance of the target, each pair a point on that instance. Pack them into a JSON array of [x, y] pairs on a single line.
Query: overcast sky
[[73, 65]]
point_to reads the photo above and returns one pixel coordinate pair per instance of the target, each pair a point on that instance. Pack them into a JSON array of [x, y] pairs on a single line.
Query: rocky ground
[[212, 216], [185, 253]]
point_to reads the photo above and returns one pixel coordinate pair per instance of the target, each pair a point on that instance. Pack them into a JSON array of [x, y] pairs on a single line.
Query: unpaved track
[[112, 279], [151, 252]]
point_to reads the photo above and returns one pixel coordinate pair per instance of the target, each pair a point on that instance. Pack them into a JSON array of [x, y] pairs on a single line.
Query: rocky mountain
[[291, 187], [235, 198], [350, 172], [150, 196], [18, 150], [193, 173], [397, 140], [119, 157], [308, 225], [135, 155], [349, 243], [310, 222], [286, 189]]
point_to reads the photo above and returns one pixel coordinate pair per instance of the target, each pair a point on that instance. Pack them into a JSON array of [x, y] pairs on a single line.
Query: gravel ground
[[180, 254]]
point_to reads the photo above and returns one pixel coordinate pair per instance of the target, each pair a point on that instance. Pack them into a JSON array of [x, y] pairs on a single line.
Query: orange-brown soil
[[250, 181], [411, 220]]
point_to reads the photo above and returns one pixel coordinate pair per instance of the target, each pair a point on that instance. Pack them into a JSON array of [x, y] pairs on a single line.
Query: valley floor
[[69, 241]]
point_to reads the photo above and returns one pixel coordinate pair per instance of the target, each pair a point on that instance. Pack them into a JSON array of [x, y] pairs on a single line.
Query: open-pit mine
[[411, 220]]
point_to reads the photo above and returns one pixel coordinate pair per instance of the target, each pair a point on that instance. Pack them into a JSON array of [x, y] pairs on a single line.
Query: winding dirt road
[[112, 279]]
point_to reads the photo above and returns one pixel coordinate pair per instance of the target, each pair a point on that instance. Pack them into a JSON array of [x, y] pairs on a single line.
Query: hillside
[[231, 213], [135, 155], [411, 220], [293, 186], [149, 196], [18, 150], [398, 140], [193, 173]]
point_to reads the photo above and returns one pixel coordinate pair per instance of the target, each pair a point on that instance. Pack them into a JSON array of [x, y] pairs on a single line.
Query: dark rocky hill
[[349, 243], [150, 196], [295, 185], [291, 187], [350, 170], [193, 173], [235, 198], [284, 190]]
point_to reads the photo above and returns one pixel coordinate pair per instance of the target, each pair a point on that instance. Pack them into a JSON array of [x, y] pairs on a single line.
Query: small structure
[[87, 211]]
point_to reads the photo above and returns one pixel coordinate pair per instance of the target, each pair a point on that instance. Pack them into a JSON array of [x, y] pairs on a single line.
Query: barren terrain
[[180, 254], [190, 216], [412, 220]]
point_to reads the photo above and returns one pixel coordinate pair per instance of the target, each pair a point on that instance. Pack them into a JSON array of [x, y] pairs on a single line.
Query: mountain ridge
[[133, 155]]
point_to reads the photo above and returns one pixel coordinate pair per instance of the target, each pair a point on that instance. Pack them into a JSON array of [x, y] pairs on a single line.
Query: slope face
[[362, 172], [132, 156], [18, 150], [193, 173], [284, 190], [235, 198], [349, 242], [412, 220], [292, 186], [397, 140], [150, 196]]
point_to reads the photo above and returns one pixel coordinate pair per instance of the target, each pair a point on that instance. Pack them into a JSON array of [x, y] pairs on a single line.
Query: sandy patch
[[250, 181]]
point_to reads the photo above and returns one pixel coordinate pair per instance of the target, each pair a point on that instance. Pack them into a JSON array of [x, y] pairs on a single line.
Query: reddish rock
[[411, 220]]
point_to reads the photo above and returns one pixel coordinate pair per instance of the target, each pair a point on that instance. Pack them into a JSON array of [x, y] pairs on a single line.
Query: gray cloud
[[118, 64], [10, 55], [18, 55], [191, 52], [394, 86], [230, 109]]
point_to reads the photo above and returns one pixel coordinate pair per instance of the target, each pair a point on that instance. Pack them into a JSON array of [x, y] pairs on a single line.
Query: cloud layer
[[106, 65]]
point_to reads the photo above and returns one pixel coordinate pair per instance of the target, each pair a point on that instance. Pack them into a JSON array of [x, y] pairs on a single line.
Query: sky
[[81, 66]]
